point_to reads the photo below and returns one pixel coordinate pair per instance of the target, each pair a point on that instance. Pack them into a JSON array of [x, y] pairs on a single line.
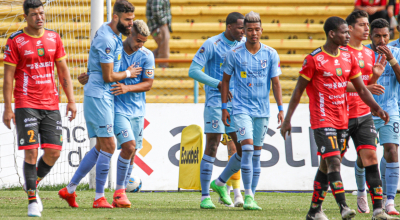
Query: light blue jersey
[[133, 103], [388, 101], [396, 44], [106, 47], [252, 75], [211, 55]]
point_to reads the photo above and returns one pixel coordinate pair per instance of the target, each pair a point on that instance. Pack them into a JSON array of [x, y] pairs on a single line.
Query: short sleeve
[[11, 55], [60, 52], [358, 3], [204, 54], [308, 68], [383, 2], [106, 49], [275, 66], [228, 66], [149, 67], [355, 68]]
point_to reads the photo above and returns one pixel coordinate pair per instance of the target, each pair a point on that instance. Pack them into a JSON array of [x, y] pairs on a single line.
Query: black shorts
[[330, 141], [362, 131], [33, 122]]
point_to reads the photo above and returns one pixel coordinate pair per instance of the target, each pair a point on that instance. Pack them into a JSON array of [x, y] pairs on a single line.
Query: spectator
[[158, 14], [374, 8]]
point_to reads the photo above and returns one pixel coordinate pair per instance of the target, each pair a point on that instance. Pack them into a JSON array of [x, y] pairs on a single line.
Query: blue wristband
[[224, 106], [280, 107]]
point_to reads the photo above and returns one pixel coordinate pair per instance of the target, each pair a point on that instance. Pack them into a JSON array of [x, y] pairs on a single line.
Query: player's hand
[[8, 115], [285, 127], [225, 116], [83, 78], [230, 96], [135, 71], [119, 89], [71, 107], [376, 89], [386, 51], [380, 65], [280, 117], [383, 115]]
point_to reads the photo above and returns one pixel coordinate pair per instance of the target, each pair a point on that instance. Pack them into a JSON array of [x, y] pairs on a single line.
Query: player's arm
[[110, 76], [196, 73], [66, 82], [121, 88], [391, 59], [224, 98], [8, 115], [277, 90]]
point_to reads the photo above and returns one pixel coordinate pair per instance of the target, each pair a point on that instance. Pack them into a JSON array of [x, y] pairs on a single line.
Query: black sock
[[374, 184], [335, 181], [42, 170], [320, 188], [30, 175]]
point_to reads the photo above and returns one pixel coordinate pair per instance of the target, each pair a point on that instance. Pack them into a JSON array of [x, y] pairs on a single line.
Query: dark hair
[[352, 18], [332, 24], [123, 6], [378, 23], [31, 4], [233, 17]]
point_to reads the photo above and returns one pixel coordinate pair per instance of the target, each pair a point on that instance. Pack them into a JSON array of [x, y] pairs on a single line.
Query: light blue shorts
[[388, 133], [251, 128], [213, 121], [128, 129], [99, 116]]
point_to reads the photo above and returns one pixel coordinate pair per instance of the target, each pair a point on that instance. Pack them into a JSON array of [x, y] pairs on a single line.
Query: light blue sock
[[128, 175], [102, 167], [85, 166], [247, 165], [256, 170], [360, 177], [122, 170], [230, 169], [206, 167], [392, 178], [383, 174]]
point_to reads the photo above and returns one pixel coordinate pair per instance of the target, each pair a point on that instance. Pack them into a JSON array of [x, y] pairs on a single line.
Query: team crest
[[21, 142], [109, 128], [314, 205], [243, 74], [125, 133], [305, 62], [108, 50], [263, 63], [361, 63], [31, 193], [242, 131], [214, 124], [61, 138], [40, 52], [202, 50], [339, 71], [378, 191], [338, 185]]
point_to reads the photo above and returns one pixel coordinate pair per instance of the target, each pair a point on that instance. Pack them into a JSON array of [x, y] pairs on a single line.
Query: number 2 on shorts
[[32, 134]]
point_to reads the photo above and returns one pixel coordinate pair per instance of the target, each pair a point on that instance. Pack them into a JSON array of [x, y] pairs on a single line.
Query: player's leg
[[213, 128], [131, 165], [260, 130], [137, 128], [235, 178]]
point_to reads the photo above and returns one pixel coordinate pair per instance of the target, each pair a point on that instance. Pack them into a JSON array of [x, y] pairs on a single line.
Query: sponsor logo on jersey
[[339, 71], [316, 51], [39, 43], [337, 62], [263, 63], [28, 52], [320, 58], [25, 85], [52, 35], [40, 52], [243, 74], [216, 42], [51, 50], [19, 40], [23, 43], [119, 56], [361, 63], [249, 85], [51, 39], [360, 55], [202, 50], [30, 125], [149, 73], [327, 74], [29, 119], [346, 55], [108, 50]]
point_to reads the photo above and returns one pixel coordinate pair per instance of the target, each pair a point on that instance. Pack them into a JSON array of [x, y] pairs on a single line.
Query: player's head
[[138, 35], [34, 13], [358, 25], [379, 32], [252, 27], [123, 16], [337, 31], [234, 25]]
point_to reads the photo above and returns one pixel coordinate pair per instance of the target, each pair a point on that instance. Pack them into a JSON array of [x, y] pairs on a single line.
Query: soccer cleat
[[220, 202], [102, 203], [250, 204], [69, 197], [38, 200], [320, 215], [362, 204], [238, 201], [384, 216], [390, 210], [33, 210], [348, 213], [207, 204], [120, 200], [222, 192]]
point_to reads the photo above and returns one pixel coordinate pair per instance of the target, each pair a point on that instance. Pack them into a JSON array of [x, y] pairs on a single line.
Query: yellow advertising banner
[[191, 153]]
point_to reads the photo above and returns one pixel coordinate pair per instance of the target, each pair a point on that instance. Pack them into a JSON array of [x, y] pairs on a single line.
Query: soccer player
[[211, 55], [103, 67], [361, 125], [388, 133], [253, 66], [29, 57], [325, 74]]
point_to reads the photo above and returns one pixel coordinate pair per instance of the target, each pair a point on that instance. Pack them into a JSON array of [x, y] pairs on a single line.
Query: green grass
[[175, 205]]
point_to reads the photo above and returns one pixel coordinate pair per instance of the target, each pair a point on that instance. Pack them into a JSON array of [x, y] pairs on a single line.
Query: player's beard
[[121, 28]]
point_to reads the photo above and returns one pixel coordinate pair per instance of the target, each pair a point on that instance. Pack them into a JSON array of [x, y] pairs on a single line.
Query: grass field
[[174, 205]]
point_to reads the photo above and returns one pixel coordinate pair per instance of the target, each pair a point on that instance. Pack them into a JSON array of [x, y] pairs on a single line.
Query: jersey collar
[[23, 29], [337, 55]]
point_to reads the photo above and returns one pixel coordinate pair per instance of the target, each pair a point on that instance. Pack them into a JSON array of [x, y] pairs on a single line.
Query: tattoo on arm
[[65, 82]]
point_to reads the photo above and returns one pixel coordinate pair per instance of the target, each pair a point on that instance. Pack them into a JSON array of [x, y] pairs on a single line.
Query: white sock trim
[[98, 196]]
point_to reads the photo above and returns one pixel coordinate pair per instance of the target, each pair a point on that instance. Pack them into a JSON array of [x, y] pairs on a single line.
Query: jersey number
[[334, 142], [32, 134]]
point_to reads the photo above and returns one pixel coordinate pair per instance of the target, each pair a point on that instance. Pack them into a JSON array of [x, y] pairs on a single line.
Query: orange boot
[[69, 197], [120, 200], [102, 203]]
